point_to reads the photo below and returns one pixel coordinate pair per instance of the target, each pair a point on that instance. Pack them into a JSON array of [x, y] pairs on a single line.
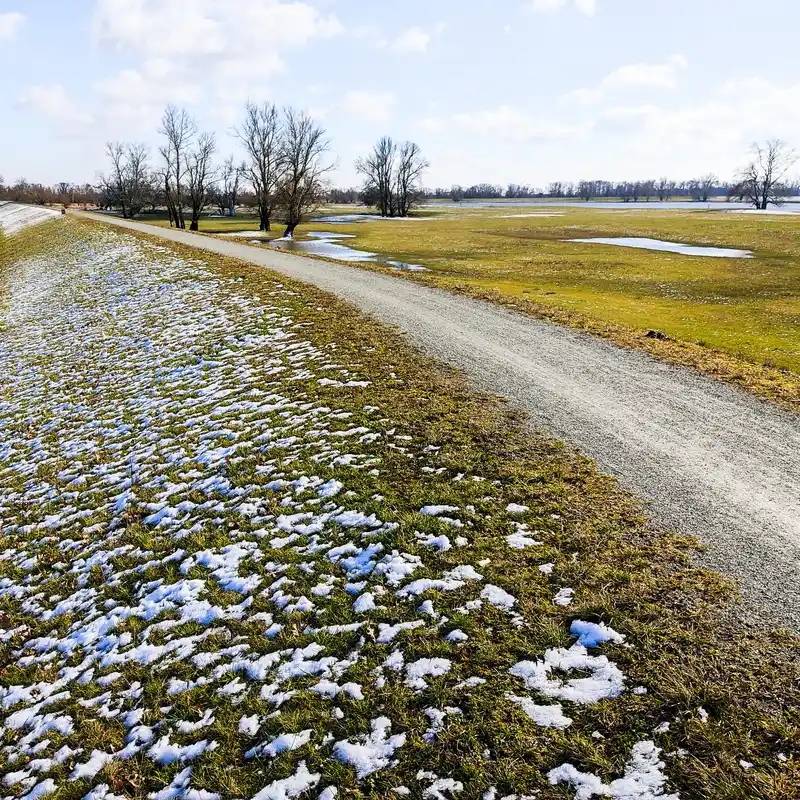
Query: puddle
[[259, 235], [517, 216], [336, 219], [341, 219], [771, 211], [671, 247], [327, 244]]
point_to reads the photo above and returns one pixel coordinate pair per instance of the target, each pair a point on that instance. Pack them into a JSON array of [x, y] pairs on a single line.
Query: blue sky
[[512, 90]]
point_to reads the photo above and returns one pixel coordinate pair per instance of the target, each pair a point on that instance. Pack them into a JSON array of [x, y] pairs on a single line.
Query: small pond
[[330, 246], [671, 247]]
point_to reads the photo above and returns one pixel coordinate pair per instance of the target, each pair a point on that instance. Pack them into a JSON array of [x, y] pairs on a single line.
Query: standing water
[[671, 247], [329, 245]]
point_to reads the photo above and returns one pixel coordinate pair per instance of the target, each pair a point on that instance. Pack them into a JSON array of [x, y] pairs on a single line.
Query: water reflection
[[329, 245]]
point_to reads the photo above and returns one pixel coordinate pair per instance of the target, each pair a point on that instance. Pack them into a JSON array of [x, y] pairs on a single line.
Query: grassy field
[[738, 319], [240, 518]]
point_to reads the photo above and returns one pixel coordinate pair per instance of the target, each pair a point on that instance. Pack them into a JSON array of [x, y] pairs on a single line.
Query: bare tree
[[392, 176], [228, 193], [706, 185], [112, 184], [410, 166], [180, 130], [664, 188], [200, 176], [65, 192], [139, 181], [586, 190], [129, 184], [164, 177], [302, 183], [378, 169], [260, 133], [761, 179]]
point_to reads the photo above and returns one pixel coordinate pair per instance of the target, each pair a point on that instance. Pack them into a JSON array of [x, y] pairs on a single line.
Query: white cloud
[[505, 122], [221, 52], [616, 141], [221, 31], [10, 23], [415, 39], [711, 135], [546, 6], [369, 106], [665, 75], [53, 102], [587, 7], [654, 76]]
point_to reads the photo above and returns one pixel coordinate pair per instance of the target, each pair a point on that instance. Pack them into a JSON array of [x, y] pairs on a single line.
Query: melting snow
[[644, 778], [373, 752]]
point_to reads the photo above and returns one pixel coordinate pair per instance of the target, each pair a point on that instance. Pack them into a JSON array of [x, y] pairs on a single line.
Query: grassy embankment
[[735, 319], [730, 696]]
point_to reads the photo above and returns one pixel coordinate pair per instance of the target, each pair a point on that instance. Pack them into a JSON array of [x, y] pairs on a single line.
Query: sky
[[523, 91]]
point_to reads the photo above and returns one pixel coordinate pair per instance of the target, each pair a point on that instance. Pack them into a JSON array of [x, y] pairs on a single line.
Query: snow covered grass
[[16, 216], [253, 546]]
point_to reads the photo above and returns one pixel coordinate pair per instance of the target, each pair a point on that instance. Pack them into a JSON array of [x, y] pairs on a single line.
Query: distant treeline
[[22, 191], [285, 166], [700, 189]]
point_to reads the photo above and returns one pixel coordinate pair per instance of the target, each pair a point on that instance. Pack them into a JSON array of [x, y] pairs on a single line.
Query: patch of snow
[[296, 784], [373, 751], [592, 634], [417, 671], [605, 680], [644, 778]]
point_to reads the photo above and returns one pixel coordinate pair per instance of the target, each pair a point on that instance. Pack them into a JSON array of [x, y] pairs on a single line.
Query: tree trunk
[[265, 223], [193, 225], [289, 232]]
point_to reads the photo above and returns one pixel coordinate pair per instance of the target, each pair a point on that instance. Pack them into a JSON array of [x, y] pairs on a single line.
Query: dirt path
[[710, 460]]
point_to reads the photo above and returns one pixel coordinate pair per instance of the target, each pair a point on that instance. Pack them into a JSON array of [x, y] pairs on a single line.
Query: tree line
[[284, 168], [65, 194], [283, 176], [763, 180]]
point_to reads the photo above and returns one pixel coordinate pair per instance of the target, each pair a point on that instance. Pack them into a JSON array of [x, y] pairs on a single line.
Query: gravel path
[[711, 460]]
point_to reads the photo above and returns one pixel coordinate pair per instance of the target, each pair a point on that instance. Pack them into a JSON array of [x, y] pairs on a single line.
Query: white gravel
[[711, 460]]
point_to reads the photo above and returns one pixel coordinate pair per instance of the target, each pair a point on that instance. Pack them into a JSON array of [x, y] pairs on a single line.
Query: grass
[[683, 648], [241, 221], [735, 319]]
